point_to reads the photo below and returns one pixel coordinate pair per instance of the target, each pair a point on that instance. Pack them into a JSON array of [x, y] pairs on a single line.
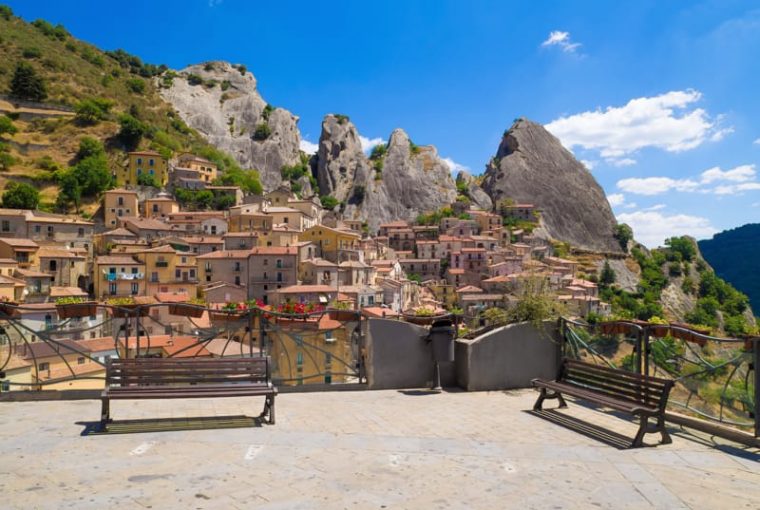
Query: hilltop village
[[275, 248]]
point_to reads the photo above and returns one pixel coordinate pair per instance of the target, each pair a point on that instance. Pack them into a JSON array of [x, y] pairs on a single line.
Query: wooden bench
[[159, 378], [638, 395]]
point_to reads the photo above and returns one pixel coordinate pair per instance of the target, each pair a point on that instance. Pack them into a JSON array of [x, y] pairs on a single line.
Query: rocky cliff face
[[532, 166], [228, 113], [405, 181], [475, 193]]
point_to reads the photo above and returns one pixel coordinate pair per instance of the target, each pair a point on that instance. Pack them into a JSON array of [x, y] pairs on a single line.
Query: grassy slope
[[75, 70]]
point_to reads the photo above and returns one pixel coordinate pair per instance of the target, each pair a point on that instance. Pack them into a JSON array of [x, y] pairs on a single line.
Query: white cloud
[[757, 142], [652, 228], [739, 179], [616, 199], [309, 147], [668, 121], [656, 185], [741, 173], [214, 3], [621, 162], [562, 40], [455, 167], [588, 164], [368, 143]]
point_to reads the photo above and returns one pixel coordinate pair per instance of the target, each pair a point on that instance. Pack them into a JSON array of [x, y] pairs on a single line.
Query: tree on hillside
[[93, 175], [19, 195], [624, 234], [70, 192], [607, 276], [132, 131], [93, 110], [89, 146], [26, 84], [6, 12], [6, 126]]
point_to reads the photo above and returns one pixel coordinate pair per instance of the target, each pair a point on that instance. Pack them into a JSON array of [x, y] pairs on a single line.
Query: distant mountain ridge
[[735, 256]]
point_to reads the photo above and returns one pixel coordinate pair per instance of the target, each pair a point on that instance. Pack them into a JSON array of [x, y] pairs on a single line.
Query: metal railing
[[70, 350], [716, 379]]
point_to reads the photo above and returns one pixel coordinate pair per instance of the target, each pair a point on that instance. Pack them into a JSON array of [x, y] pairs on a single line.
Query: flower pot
[[8, 308], [343, 315], [422, 320], [612, 328], [223, 316], [186, 310], [71, 310]]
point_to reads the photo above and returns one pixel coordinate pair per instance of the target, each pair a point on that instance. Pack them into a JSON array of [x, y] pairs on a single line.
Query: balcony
[[112, 277], [162, 263]]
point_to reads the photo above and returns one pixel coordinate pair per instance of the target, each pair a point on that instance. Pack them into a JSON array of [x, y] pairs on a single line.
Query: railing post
[[756, 368]]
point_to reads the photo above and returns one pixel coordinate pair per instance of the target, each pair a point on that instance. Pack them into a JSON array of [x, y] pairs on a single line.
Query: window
[[112, 288], [155, 208], [299, 359], [177, 273], [53, 265], [80, 360], [80, 232], [150, 163], [121, 201], [192, 273], [266, 262], [134, 270], [6, 226], [328, 338], [37, 229], [44, 366], [154, 277], [139, 161], [135, 288], [237, 280]]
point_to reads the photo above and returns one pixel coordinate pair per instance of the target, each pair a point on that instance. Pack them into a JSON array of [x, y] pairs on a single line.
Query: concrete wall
[[398, 356], [508, 357]]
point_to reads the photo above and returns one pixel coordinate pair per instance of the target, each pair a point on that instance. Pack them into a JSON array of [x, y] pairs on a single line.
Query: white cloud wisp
[[561, 40]]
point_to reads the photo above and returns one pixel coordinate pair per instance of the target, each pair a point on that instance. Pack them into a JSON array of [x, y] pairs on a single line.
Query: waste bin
[[442, 337]]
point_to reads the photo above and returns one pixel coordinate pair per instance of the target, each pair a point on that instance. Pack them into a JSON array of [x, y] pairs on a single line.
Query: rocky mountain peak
[[532, 166], [400, 184], [221, 102]]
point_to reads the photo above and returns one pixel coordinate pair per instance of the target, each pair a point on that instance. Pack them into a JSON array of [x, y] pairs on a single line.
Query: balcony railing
[[162, 263], [112, 277], [716, 379]]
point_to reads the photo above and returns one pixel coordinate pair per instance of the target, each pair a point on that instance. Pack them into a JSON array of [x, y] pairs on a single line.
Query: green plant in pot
[[75, 306]]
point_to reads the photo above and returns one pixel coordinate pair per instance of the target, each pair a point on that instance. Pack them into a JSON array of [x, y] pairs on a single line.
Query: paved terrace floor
[[356, 450]]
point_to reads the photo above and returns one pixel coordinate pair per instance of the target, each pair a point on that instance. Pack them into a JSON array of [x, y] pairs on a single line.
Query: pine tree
[[26, 84], [607, 276]]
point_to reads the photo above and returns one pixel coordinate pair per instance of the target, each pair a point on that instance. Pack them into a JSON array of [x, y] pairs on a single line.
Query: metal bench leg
[[639, 439], [268, 413], [665, 437], [540, 400], [105, 412], [562, 402]]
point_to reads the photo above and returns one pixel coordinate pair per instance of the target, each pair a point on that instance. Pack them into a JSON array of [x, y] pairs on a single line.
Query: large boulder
[[226, 109], [532, 166]]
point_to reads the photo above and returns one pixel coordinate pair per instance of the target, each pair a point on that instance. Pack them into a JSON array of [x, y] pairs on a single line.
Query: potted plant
[[8, 307], [292, 308], [70, 307], [232, 311], [193, 308], [341, 311], [422, 316], [689, 333], [126, 307]]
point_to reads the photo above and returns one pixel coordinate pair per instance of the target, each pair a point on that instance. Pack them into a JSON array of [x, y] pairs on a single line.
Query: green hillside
[[734, 254], [115, 97]]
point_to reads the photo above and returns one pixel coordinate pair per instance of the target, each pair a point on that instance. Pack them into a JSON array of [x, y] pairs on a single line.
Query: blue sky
[[659, 98]]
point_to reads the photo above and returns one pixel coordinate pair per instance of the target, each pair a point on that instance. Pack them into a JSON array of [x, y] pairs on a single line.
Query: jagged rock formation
[[532, 166], [406, 181], [475, 193], [340, 158], [228, 118]]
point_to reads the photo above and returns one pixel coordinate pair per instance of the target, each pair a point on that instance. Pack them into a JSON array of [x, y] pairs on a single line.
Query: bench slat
[[648, 380], [611, 386]]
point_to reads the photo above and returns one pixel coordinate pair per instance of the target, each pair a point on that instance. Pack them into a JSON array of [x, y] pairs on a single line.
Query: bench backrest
[[178, 371], [618, 384]]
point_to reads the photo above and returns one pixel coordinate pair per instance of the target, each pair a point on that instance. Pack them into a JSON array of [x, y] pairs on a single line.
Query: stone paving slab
[[356, 450]]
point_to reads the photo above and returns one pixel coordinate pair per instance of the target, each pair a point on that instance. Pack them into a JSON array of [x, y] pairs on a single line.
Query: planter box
[[343, 315], [85, 309], [423, 320], [8, 308], [124, 311], [220, 316], [186, 310]]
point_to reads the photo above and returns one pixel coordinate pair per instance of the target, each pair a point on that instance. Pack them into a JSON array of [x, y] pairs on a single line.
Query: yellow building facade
[[117, 204], [143, 162]]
